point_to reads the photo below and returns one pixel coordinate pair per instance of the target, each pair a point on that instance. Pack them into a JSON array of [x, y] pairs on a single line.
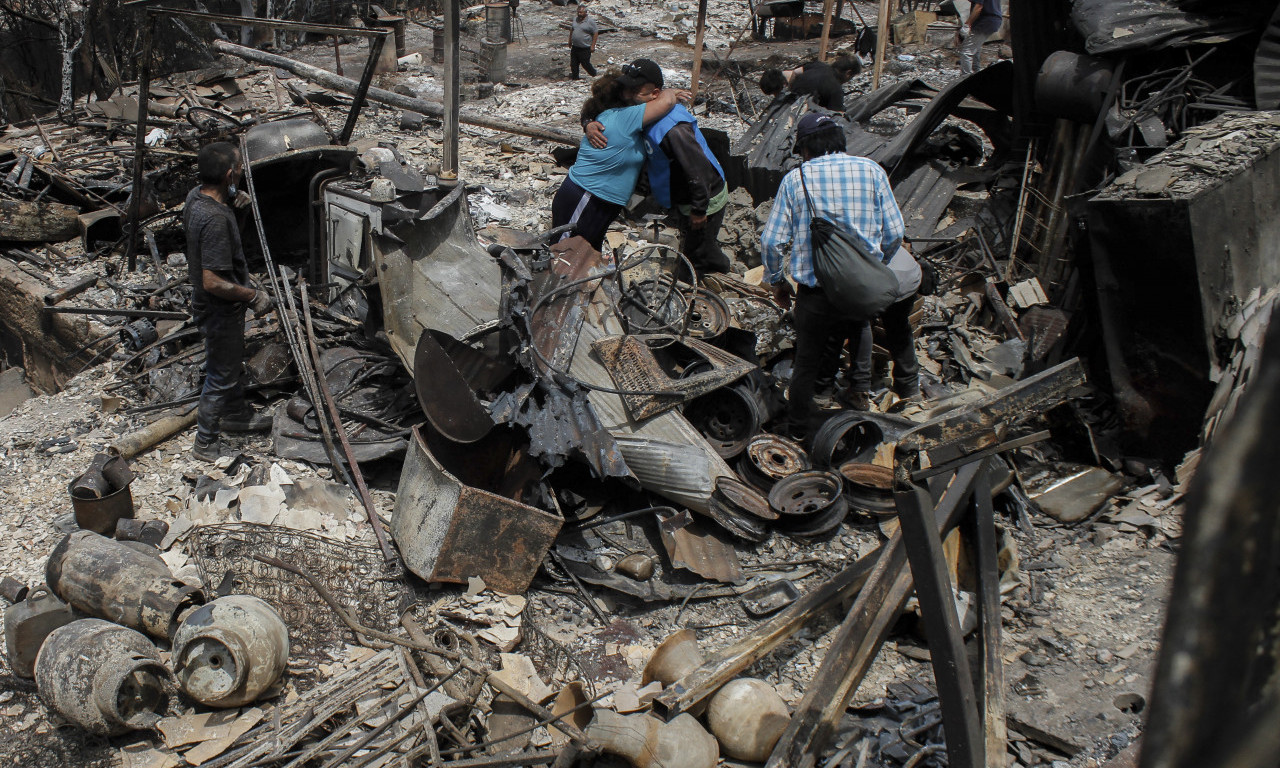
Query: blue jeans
[[223, 391]]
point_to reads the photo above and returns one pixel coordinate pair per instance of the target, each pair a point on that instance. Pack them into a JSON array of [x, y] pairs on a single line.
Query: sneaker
[[210, 451], [247, 420]]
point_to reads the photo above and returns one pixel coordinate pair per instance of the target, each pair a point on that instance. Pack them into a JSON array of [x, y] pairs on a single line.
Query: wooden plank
[[697, 48], [827, 8], [725, 664], [882, 35], [951, 670], [859, 638], [991, 670]]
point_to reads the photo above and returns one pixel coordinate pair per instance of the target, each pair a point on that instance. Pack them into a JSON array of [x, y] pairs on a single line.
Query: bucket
[[497, 21], [101, 497], [437, 45], [496, 52]]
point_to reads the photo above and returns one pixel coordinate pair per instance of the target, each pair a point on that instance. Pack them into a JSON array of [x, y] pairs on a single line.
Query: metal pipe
[[362, 90], [388, 553], [156, 432], [150, 314]]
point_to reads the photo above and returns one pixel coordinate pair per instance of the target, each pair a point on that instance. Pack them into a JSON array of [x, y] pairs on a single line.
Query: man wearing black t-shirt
[[825, 82], [220, 294]]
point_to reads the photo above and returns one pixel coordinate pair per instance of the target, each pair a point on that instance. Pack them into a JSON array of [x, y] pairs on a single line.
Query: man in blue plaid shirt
[[853, 193]]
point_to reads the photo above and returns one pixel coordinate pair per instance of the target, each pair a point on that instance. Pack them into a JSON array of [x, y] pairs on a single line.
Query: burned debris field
[[682, 384]]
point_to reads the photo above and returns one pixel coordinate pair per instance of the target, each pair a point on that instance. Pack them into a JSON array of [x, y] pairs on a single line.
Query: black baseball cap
[[639, 72]]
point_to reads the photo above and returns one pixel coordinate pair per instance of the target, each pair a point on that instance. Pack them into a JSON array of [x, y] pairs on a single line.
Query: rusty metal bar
[[1028, 397], [697, 49], [366, 78], [140, 143], [80, 286], [388, 552]]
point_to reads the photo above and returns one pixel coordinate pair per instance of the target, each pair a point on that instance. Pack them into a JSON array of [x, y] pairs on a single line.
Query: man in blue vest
[[684, 175]]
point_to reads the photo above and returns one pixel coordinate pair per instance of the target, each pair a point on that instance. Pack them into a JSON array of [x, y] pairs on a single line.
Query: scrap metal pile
[[577, 428], [594, 424]]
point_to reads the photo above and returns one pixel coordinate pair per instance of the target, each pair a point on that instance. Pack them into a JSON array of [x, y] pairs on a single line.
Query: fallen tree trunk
[[22, 221], [350, 87]]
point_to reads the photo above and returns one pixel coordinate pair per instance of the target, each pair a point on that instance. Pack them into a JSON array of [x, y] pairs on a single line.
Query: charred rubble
[[505, 469]]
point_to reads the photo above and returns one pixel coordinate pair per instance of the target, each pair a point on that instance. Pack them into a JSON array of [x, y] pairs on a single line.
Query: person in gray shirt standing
[[582, 43]]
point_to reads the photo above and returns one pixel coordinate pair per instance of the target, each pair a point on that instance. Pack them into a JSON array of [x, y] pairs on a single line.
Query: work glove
[[962, 33], [262, 303], [241, 200]]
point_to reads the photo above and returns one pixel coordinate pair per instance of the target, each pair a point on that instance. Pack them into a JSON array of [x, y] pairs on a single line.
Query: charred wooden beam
[[23, 221], [860, 636], [695, 687]]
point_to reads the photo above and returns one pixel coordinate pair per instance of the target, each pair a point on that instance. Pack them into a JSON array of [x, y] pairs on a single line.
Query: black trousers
[[901, 343], [589, 215], [580, 57], [223, 391], [819, 329], [821, 332], [701, 245]]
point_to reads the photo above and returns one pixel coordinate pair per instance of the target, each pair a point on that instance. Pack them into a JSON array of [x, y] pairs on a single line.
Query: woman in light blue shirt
[[601, 180]]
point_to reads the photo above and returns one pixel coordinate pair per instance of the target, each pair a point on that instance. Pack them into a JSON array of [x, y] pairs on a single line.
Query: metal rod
[[152, 314], [534, 727], [366, 78], [140, 142], [285, 306], [586, 596], [376, 732], [388, 553], [253, 21]]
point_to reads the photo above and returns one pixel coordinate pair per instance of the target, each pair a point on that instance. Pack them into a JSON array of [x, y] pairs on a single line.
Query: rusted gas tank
[[103, 677], [28, 623], [229, 652], [123, 582]]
